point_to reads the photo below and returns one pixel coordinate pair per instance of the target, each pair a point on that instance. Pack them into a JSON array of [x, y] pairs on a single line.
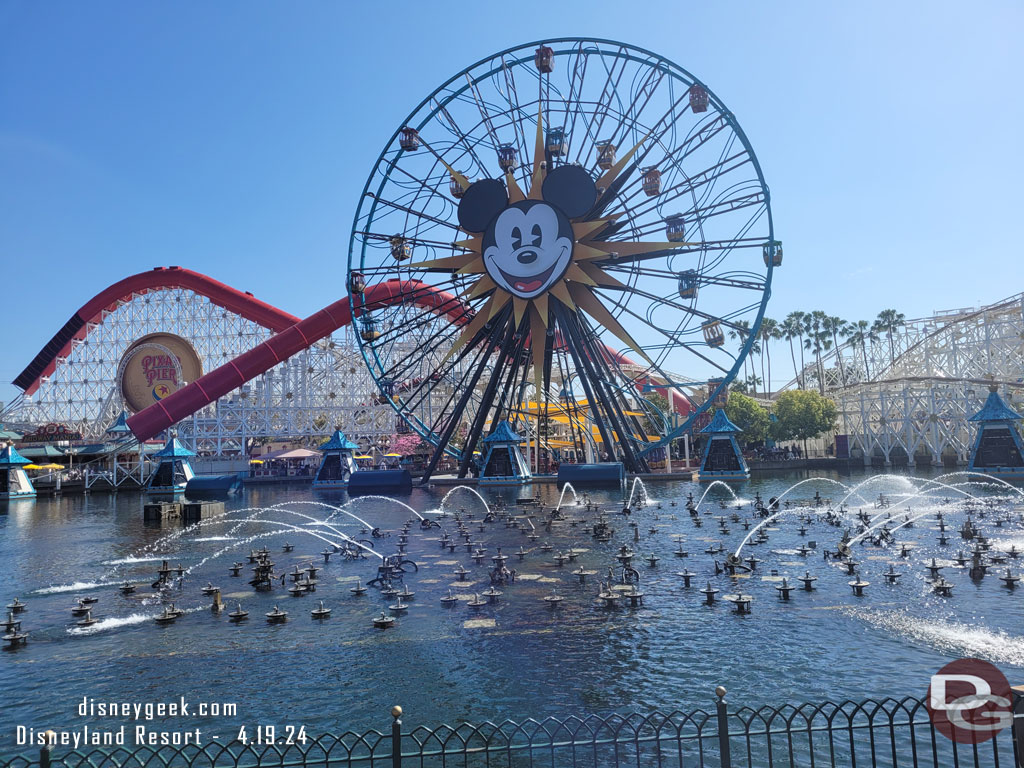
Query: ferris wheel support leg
[[492, 341], [617, 413], [580, 353], [485, 402]]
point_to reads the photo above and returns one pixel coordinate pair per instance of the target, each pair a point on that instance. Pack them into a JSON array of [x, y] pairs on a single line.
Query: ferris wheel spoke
[[701, 215], [633, 190], [707, 245], [442, 115], [654, 298], [704, 279], [419, 214], [594, 127], [674, 338], [690, 185], [519, 115]]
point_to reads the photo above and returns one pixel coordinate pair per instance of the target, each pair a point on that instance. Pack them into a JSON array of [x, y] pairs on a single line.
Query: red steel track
[[292, 335]]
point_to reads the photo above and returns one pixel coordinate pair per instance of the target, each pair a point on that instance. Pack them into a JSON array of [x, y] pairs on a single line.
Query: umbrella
[[31, 466], [364, 457], [393, 455], [52, 466], [255, 461]]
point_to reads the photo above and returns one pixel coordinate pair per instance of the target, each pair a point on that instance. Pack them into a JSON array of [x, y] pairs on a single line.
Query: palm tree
[[835, 326], [859, 334], [742, 332], [769, 331], [889, 320], [792, 328], [818, 341], [809, 331]]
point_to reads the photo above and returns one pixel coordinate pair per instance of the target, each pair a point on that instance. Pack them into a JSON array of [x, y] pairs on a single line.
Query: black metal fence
[[889, 732]]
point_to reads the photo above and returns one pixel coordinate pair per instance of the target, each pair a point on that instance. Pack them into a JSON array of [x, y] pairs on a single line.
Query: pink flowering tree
[[405, 444]]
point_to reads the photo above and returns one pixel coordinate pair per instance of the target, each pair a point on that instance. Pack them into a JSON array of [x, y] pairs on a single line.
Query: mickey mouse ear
[[570, 188], [484, 200]]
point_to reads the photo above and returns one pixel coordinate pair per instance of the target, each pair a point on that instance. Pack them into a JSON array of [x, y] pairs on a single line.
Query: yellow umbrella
[[364, 457], [52, 466], [256, 461], [31, 466], [393, 455]]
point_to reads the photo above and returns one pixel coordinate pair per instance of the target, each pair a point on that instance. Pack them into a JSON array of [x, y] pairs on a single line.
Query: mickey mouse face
[[527, 246]]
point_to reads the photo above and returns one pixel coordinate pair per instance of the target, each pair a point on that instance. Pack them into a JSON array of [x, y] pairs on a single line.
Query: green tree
[[860, 334], [835, 326], [748, 415], [741, 331], [803, 414], [888, 322], [793, 328], [770, 331], [818, 340]]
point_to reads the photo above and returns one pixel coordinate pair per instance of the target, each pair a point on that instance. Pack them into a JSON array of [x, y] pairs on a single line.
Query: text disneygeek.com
[[141, 732]]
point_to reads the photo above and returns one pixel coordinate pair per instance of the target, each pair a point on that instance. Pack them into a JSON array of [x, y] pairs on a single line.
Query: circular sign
[[970, 701], [155, 367]]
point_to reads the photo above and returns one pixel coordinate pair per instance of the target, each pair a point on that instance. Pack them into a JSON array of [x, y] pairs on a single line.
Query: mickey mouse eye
[[537, 236], [517, 238]]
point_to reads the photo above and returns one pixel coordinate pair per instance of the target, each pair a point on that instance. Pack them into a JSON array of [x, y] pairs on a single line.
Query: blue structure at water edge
[[14, 481], [382, 481], [722, 457], [338, 463], [997, 449], [609, 473], [503, 461], [215, 485], [174, 470]]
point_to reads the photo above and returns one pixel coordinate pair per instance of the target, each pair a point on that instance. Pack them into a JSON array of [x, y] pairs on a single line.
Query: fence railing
[[895, 733]]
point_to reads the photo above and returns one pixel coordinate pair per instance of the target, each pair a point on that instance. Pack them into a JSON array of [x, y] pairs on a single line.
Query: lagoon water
[[516, 659]]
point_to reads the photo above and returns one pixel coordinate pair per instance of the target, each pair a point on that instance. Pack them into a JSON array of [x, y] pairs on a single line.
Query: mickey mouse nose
[[527, 257]]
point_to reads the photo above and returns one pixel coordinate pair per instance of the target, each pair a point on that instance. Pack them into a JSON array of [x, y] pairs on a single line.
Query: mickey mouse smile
[[530, 283]]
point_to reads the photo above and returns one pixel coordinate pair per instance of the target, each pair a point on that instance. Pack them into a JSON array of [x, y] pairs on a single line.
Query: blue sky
[[234, 138]]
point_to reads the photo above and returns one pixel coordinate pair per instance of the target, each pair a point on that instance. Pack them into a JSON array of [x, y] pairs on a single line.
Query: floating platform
[[161, 510], [186, 511], [214, 485], [607, 473], [380, 481], [199, 510]]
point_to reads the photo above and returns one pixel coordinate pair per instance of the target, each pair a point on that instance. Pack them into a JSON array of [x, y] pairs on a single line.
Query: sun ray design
[[572, 289]]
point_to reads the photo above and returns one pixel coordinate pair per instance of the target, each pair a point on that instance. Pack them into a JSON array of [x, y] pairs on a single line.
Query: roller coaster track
[[291, 335]]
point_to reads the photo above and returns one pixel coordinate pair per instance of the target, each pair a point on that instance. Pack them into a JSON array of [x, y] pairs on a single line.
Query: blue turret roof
[[9, 457], [996, 409], [503, 434], [338, 442], [720, 423], [173, 450], [119, 427]]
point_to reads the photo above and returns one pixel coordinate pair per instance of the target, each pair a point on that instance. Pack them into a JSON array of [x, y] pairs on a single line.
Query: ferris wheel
[[563, 226]]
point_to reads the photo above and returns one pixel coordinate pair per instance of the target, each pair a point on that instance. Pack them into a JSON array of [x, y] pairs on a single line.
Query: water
[[516, 659]]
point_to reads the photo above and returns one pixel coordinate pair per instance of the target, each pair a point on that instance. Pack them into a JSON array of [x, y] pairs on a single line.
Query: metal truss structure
[[303, 398], [907, 399]]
